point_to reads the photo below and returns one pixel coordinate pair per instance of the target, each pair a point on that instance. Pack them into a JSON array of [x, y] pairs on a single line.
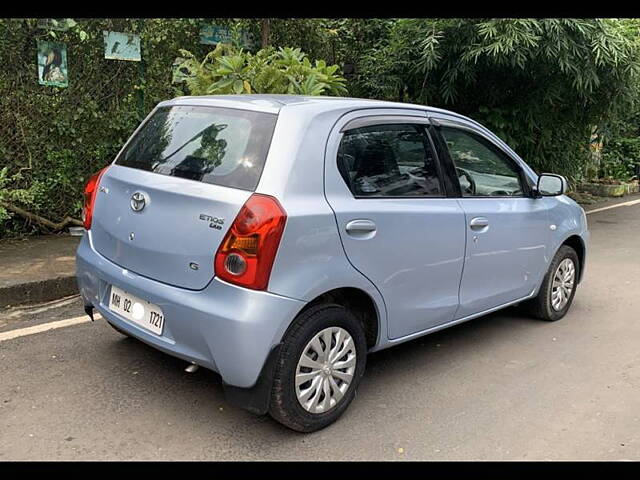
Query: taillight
[[246, 254], [90, 191]]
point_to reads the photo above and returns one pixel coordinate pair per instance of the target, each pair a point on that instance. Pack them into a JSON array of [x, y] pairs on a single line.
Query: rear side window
[[222, 146], [394, 160]]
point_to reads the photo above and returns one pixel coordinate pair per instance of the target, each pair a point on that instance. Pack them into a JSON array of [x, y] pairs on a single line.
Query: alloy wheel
[[563, 284], [325, 370]]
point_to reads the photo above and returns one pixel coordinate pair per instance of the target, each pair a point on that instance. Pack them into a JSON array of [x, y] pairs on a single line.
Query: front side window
[[222, 146], [392, 160], [482, 170]]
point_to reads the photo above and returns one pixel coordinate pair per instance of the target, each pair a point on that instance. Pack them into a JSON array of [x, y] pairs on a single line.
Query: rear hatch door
[[166, 204]]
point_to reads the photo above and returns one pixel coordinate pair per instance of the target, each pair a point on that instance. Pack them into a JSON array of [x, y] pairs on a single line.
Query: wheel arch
[[360, 303], [577, 243]]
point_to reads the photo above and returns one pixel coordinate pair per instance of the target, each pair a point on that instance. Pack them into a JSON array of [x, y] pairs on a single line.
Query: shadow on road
[[433, 354]]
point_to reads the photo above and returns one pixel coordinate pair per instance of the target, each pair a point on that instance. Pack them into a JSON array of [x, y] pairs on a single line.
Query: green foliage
[[52, 139], [539, 84], [11, 195], [619, 159], [620, 150], [231, 70]]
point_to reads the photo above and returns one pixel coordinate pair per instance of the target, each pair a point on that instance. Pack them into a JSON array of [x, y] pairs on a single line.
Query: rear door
[[165, 205], [396, 223], [507, 230]]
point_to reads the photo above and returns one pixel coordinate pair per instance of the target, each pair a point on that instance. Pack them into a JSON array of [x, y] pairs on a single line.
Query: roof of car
[[275, 102]]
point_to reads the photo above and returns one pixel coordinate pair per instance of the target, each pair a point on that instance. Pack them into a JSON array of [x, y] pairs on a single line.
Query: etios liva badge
[[214, 222]]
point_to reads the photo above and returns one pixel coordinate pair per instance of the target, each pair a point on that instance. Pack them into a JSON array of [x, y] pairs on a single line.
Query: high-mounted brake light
[[246, 254], [90, 191]]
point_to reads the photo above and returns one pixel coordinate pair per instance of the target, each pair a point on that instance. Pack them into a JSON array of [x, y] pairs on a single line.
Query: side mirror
[[551, 185]]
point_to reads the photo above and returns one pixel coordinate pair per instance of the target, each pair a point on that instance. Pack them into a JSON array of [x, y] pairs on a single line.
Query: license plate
[[136, 310]]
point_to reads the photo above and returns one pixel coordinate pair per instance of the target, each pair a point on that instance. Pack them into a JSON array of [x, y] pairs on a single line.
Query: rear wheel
[[558, 287], [320, 365]]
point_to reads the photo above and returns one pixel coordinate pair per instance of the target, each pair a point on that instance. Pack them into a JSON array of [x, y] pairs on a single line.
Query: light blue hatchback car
[[277, 239]]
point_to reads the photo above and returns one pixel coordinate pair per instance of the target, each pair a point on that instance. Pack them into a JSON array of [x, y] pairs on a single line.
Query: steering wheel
[[471, 189]]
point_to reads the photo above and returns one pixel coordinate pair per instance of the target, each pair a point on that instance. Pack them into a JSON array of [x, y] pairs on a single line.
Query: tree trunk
[[266, 26]]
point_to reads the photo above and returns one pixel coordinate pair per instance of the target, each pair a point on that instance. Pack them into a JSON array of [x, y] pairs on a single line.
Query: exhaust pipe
[[192, 368]]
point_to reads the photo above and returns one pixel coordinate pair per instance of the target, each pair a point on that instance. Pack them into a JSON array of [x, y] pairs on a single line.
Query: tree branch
[[41, 220]]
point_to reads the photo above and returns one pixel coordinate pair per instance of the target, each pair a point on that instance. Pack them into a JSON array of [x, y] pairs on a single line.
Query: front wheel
[[558, 287], [320, 365]]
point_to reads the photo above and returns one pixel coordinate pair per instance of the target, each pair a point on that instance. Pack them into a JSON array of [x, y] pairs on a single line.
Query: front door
[[397, 226], [507, 230]]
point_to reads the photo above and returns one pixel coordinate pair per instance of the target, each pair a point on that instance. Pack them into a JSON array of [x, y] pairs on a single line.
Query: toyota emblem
[[138, 201]]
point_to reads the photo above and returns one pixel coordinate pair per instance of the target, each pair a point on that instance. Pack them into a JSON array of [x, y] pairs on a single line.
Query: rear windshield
[[222, 146]]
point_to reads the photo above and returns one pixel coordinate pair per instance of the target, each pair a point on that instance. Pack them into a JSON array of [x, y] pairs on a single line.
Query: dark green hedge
[[52, 139]]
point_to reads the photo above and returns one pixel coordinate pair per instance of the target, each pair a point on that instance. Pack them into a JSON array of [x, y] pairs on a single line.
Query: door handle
[[478, 223], [360, 227]]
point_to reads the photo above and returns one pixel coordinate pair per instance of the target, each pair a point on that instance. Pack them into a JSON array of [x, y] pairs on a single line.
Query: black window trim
[[446, 167], [421, 124], [437, 123], [382, 119]]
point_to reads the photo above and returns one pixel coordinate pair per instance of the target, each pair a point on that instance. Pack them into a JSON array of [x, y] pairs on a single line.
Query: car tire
[[305, 336], [542, 306]]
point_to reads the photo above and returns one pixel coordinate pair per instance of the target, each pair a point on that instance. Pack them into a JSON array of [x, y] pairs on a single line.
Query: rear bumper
[[229, 329]]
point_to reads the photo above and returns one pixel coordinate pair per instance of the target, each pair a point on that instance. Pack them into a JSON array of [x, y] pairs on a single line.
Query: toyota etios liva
[[278, 239]]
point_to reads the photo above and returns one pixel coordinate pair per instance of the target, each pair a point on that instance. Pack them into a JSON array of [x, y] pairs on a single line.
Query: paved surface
[[500, 387], [37, 269]]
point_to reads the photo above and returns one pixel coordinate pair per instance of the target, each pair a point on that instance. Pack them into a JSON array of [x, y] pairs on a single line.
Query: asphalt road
[[500, 387]]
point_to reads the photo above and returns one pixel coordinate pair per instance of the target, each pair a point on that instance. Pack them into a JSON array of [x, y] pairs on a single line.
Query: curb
[[36, 292], [610, 203], [613, 205]]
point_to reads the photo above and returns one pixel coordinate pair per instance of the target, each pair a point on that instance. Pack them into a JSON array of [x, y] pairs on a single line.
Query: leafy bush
[[619, 159], [539, 84], [228, 69], [52, 139], [11, 195]]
